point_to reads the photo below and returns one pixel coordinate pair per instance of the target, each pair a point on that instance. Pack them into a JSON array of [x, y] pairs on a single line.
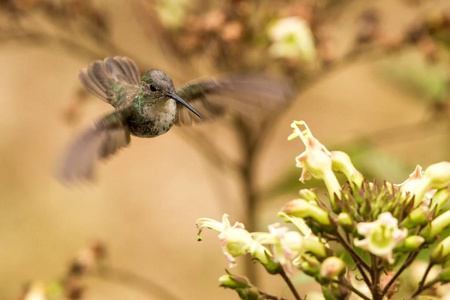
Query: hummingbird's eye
[[152, 88]]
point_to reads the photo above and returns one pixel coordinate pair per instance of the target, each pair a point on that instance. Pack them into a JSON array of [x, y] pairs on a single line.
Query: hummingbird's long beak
[[179, 99]]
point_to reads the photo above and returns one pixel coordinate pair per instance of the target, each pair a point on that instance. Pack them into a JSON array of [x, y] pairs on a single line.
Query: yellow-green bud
[[436, 176], [346, 222], [234, 281], [441, 252], [436, 226], [411, 243], [315, 247], [341, 163], [251, 293], [308, 195], [417, 217], [444, 275], [310, 266], [332, 267], [303, 209], [439, 199], [439, 175]]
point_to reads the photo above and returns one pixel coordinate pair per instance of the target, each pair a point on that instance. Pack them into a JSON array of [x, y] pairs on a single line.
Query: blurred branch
[[211, 152], [133, 280], [40, 38]]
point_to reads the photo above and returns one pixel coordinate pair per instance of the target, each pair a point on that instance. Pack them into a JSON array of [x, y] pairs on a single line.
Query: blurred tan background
[[146, 200]]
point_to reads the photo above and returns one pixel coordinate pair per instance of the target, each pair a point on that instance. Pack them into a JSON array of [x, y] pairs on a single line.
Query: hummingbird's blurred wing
[[106, 137], [249, 95], [115, 80]]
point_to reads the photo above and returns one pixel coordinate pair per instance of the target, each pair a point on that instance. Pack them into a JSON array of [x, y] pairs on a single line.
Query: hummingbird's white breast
[[162, 114]]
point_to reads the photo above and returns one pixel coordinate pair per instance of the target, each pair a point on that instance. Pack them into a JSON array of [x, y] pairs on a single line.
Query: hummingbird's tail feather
[[99, 142], [114, 80]]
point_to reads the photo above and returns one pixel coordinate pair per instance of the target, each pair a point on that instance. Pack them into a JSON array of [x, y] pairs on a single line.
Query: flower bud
[[310, 266], [439, 175], [346, 222], [441, 252], [341, 163], [417, 217], [251, 293], [233, 281], [410, 184], [332, 267], [308, 195], [439, 199], [260, 253], [315, 248], [444, 276], [303, 209], [436, 226], [436, 176], [411, 243]]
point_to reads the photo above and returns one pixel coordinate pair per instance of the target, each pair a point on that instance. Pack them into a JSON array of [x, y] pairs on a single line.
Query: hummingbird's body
[[152, 119], [150, 105]]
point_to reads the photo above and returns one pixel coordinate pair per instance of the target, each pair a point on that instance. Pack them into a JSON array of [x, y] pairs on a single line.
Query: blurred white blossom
[[292, 38]]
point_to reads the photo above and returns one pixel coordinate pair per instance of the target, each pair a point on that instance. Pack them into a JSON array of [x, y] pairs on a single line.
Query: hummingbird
[[149, 105]]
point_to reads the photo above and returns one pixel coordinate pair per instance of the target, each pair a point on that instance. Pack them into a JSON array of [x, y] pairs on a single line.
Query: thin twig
[[420, 287], [407, 262], [130, 279], [290, 285], [359, 262], [351, 288], [425, 287], [269, 296], [424, 278], [352, 252], [210, 151]]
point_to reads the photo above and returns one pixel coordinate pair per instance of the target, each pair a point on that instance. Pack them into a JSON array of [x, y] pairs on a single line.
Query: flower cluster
[[381, 229]]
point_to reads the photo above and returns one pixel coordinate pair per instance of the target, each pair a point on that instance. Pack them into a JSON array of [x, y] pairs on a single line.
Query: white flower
[[287, 245], [315, 160], [235, 240], [36, 292], [292, 38], [381, 236]]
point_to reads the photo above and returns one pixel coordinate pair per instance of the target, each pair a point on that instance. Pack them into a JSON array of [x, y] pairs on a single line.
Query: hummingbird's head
[[158, 86]]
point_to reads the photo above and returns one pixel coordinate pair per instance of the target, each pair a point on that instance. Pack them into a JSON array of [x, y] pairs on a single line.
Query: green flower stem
[[350, 288], [333, 187]]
